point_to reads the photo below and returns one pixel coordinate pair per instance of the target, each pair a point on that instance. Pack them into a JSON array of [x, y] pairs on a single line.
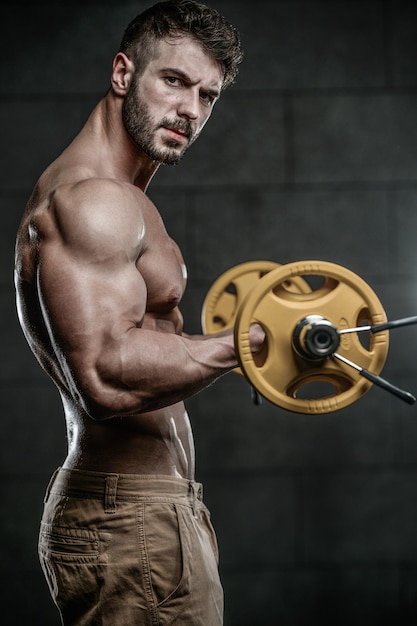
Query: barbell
[[326, 332]]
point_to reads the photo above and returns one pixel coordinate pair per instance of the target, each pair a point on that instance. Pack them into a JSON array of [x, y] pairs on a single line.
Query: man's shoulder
[[95, 191], [93, 200]]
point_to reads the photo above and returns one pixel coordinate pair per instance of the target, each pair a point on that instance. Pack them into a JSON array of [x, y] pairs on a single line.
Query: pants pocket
[[167, 552], [66, 544], [73, 561]]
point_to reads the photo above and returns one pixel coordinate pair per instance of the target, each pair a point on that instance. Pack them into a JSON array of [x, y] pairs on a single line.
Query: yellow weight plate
[[227, 293], [279, 372]]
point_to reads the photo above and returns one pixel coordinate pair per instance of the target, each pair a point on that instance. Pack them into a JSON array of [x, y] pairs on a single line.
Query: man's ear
[[122, 73]]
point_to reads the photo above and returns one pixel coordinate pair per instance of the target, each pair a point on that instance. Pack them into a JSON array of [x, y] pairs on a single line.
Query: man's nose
[[189, 104]]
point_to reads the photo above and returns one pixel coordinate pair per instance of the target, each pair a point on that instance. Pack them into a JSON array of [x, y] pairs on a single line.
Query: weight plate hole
[[319, 386], [260, 357], [305, 287], [316, 390], [364, 336]]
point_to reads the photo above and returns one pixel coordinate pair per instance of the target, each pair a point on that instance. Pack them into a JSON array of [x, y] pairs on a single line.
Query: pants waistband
[[111, 487]]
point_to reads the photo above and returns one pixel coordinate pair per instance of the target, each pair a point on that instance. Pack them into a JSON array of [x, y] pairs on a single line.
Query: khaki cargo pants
[[129, 550]]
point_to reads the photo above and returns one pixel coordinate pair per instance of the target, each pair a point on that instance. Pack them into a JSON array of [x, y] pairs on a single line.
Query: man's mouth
[[179, 130], [176, 134]]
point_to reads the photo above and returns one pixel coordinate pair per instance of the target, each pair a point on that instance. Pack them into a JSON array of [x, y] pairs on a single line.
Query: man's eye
[[207, 98], [172, 80]]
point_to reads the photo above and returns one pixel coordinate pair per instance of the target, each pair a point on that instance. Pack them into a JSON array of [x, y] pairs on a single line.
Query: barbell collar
[[315, 337]]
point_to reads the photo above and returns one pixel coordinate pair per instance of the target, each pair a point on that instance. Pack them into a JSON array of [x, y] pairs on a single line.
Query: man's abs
[[158, 442]]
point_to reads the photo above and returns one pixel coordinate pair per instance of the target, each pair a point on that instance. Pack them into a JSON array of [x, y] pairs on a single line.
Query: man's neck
[[124, 158]]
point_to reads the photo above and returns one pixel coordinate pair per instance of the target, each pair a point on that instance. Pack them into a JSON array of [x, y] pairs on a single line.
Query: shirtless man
[[125, 537]]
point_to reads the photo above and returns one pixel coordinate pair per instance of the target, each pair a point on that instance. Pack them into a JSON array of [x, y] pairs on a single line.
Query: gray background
[[312, 154]]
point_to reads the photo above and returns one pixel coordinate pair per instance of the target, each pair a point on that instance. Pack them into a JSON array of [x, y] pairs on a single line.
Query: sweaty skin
[[99, 281]]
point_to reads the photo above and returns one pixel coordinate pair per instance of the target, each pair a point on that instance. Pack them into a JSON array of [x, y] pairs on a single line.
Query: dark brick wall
[[312, 154]]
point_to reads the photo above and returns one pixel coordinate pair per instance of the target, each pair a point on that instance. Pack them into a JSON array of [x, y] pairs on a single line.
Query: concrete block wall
[[312, 154]]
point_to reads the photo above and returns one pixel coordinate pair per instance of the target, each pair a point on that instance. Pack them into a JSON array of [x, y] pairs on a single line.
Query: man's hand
[[256, 338]]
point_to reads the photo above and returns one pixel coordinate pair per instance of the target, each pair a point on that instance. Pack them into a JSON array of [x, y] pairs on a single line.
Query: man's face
[[166, 109]]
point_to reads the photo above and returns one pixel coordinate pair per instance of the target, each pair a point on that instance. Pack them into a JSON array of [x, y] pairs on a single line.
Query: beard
[[141, 129]]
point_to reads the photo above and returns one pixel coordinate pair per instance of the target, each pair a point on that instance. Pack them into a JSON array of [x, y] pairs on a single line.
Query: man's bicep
[[86, 301], [88, 263]]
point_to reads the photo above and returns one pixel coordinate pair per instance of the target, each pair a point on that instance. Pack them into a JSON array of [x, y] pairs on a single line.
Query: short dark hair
[[177, 18]]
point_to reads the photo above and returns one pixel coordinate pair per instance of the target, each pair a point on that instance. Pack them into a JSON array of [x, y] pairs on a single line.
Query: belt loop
[[50, 485], [110, 493], [197, 495]]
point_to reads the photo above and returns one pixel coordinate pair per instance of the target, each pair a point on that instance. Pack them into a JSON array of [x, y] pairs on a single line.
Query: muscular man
[[125, 537]]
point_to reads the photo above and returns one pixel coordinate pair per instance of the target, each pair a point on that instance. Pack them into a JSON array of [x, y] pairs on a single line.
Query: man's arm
[[94, 300]]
